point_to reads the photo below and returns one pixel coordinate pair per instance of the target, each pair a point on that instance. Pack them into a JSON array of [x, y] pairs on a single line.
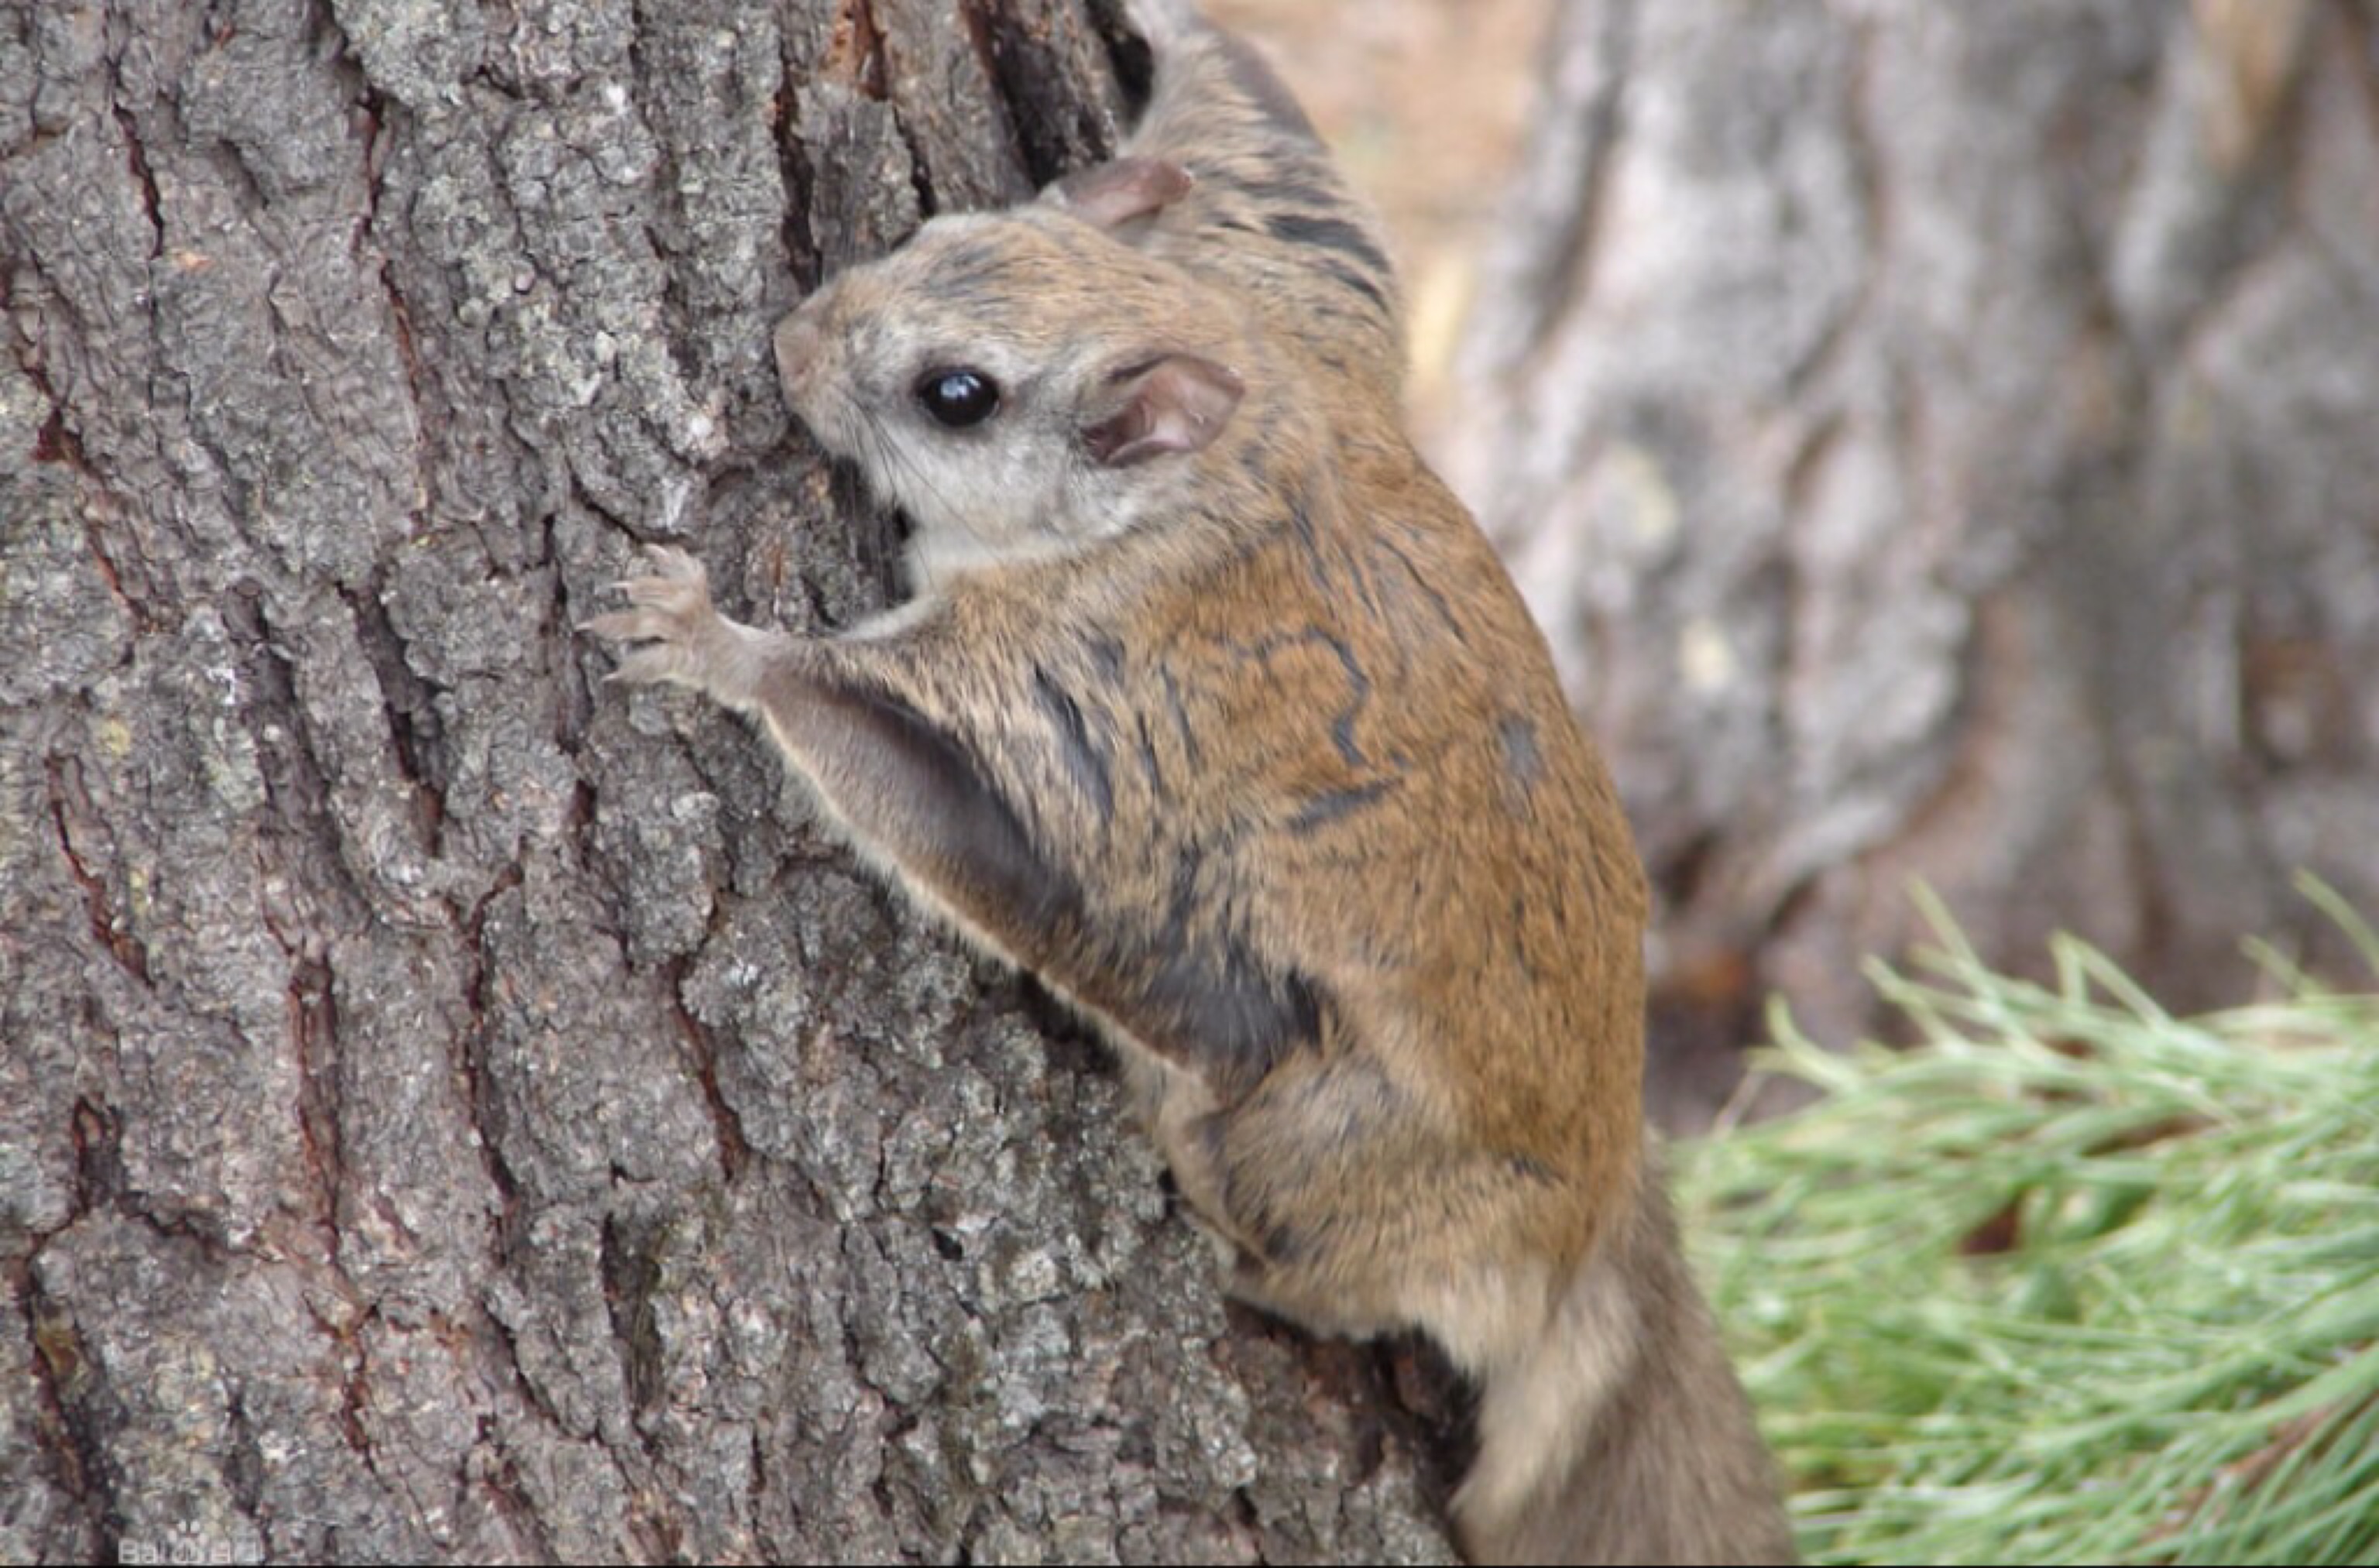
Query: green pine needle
[[2071, 1281]]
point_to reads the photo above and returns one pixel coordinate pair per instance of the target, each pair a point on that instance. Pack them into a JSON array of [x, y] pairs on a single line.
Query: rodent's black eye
[[959, 398]]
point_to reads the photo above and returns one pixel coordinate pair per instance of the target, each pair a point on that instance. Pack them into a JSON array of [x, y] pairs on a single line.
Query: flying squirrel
[[1215, 710]]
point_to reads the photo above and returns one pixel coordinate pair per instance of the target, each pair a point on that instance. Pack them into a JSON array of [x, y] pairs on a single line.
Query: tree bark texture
[[451, 1109], [1942, 441]]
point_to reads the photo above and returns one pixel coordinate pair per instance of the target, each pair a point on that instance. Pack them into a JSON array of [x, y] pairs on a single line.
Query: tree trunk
[[451, 1108], [1939, 442]]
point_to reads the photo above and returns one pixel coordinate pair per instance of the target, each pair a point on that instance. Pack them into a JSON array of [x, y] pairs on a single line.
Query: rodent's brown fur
[[1215, 711]]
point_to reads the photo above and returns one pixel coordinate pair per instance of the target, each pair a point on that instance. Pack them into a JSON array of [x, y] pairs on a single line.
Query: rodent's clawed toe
[[673, 610], [651, 665], [677, 565]]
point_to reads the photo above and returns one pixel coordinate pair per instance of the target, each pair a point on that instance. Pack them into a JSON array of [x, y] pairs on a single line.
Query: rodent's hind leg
[[1354, 1215], [1289, 1294]]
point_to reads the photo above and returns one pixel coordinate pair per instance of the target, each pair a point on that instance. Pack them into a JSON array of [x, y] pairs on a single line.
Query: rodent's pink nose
[[799, 343]]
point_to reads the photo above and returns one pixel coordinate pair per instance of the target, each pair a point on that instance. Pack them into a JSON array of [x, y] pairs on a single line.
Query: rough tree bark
[[1940, 441], [449, 1109]]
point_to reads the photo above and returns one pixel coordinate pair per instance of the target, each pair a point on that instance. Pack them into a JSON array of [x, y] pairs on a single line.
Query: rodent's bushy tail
[[1166, 21], [1214, 93], [1622, 1436]]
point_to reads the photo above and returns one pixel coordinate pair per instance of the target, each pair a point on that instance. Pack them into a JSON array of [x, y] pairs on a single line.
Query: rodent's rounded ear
[[1115, 193], [1173, 402]]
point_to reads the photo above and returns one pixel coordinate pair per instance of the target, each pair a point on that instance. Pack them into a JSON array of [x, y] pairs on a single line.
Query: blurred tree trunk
[[449, 1109], [1942, 441]]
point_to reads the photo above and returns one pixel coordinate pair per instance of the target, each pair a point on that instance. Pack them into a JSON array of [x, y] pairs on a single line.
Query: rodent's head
[[1020, 383]]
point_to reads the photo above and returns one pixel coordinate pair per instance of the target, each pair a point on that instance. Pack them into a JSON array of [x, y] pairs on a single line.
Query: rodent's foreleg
[[681, 640], [901, 788], [935, 805]]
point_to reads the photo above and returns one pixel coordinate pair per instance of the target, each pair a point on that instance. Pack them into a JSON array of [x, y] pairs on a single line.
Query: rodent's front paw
[[673, 625]]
